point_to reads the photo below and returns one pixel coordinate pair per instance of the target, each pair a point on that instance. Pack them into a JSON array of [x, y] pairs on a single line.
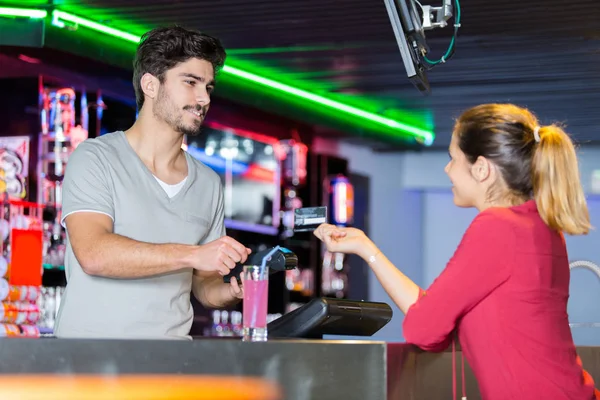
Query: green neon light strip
[[426, 136], [22, 12], [95, 26]]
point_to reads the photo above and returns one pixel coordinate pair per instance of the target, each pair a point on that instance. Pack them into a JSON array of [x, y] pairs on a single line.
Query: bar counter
[[305, 369]]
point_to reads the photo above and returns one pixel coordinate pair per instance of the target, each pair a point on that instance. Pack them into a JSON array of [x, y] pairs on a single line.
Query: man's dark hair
[[163, 48]]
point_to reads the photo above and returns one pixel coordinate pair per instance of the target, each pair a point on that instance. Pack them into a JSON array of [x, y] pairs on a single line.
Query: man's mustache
[[196, 108]]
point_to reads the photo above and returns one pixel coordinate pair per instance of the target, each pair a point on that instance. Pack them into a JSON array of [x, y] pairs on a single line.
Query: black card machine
[[282, 259], [328, 316]]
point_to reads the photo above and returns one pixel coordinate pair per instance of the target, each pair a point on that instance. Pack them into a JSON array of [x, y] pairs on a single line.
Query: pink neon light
[[259, 137]]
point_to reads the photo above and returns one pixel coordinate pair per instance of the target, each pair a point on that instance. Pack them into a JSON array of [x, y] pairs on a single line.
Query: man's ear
[[149, 85], [482, 169]]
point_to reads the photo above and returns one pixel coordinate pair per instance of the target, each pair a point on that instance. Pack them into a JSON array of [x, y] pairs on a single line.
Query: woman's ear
[[482, 169]]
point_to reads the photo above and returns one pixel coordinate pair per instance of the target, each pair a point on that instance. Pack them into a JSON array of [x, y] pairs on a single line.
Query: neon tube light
[[426, 136], [22, 12], [259, 137], [64, 16]]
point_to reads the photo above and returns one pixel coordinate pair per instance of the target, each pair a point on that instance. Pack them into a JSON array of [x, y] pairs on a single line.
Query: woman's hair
[[532, 160]]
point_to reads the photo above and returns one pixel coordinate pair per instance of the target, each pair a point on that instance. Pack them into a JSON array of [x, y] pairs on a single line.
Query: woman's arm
[[482, 262], [403, 291]]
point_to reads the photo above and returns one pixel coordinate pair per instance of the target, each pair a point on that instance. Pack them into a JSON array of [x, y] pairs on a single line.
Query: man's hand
[[212, 292], [236, 290], [219, 256]]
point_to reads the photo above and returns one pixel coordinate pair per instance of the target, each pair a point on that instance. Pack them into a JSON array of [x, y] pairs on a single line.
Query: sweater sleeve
[[482, 262]]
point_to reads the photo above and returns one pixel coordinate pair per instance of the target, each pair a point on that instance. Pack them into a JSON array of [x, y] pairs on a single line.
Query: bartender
[[145, 220]]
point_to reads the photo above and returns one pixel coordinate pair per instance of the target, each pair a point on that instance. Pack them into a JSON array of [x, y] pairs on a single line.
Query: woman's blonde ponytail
[[556, 183]]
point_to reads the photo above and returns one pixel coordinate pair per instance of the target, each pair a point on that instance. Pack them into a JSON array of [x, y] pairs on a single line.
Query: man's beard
[[165, 110]]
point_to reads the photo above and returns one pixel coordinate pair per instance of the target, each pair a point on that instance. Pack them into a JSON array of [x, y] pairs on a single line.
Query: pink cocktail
[[256, 293]]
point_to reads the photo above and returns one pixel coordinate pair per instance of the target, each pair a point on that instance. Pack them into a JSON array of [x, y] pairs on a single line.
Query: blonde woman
[[505, 290]]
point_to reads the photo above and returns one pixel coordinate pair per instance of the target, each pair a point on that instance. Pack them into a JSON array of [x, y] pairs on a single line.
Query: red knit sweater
[[505, 290]]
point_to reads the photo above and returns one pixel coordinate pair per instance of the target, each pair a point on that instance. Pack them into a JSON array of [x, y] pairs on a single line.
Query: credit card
[[308, 219]]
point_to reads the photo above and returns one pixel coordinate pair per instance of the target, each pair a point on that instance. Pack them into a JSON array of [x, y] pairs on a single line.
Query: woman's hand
[[398, 286], [345, 240]]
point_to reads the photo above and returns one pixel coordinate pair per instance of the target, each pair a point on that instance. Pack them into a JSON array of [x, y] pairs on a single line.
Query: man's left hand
[[212, 292], [236, 290]]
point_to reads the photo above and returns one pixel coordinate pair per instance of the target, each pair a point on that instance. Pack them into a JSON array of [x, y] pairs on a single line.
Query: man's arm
[[209, 289], [212, 292], [88, 209], [104, 253]]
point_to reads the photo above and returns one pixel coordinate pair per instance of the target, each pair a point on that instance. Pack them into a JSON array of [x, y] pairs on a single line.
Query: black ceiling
[[544, 55]]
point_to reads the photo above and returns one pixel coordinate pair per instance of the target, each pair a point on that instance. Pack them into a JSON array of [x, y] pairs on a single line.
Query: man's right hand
[[219, 256]]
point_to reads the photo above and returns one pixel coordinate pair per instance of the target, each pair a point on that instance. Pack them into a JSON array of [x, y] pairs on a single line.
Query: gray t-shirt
[[105, 175]]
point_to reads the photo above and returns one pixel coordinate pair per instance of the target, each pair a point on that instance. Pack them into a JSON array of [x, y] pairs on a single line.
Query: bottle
[[217, 329]]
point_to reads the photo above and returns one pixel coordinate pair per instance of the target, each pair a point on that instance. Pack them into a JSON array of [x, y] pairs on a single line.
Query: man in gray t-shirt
[[144, 219]]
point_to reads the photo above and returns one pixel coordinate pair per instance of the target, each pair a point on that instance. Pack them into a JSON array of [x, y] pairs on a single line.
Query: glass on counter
[[256, 292]]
